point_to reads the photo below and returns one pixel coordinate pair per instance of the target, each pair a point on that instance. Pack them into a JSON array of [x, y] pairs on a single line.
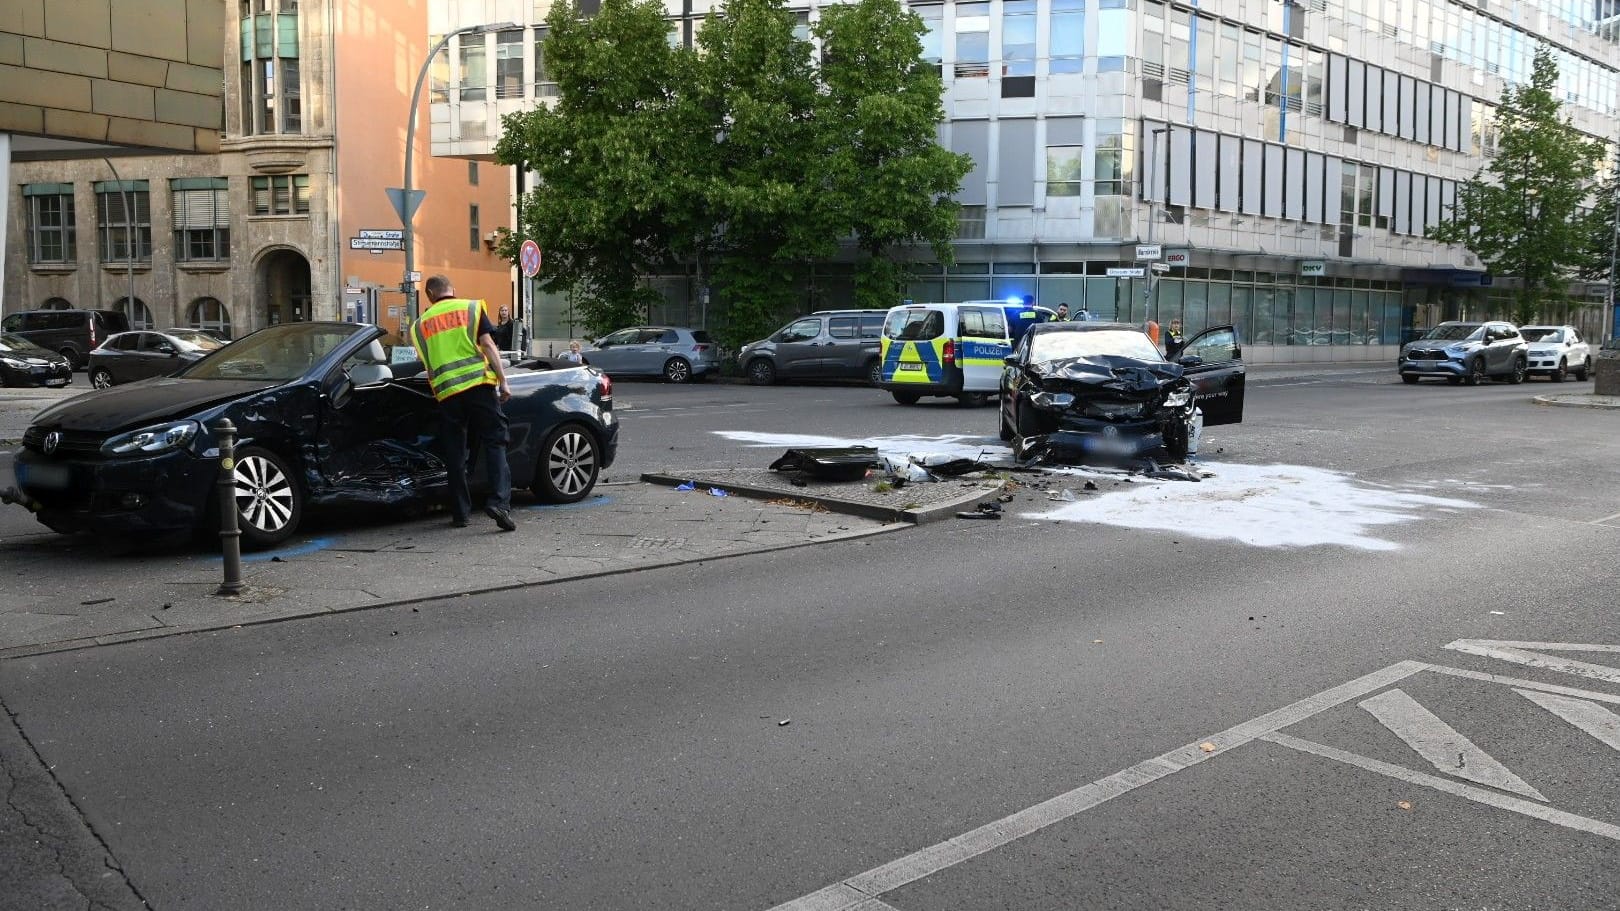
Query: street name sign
[[1148, 251], [376, 244], [1127, 272], [381, 234], [1160, 268]]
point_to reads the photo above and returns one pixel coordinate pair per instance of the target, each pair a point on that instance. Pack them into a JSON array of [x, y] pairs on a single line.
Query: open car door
[[1213, 361]]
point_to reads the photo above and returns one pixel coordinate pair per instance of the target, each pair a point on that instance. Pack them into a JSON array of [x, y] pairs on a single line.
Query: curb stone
[[1579, 400]]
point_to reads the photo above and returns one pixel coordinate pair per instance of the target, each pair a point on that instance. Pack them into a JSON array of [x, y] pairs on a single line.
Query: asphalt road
[[746, 733]]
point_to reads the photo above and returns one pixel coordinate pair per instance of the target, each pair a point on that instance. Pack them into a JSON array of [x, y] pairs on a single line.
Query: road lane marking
[[1457, 788], [1526, 684], [1439, 743], [1521, 653], [1590, 717], [1605, 519], [850, 893]]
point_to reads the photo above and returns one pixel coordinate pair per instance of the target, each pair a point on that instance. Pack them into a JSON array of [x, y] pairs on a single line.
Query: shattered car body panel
[[319, 397], [1102, 391]]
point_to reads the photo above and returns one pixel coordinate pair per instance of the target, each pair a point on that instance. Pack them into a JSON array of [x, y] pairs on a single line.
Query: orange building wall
[[380, 47]]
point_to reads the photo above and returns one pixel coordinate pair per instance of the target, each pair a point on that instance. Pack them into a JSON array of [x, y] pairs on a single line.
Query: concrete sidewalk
[[71, 592]]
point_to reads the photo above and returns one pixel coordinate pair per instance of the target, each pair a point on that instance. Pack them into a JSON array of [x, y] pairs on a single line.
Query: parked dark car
[[70, 333], [322, 421], [23, 363], [827, 344], [1467, 353], [677, 354], [1103, 390], [131, 356]]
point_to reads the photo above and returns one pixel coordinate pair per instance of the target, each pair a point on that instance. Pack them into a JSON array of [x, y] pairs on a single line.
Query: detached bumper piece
[[849, 463]]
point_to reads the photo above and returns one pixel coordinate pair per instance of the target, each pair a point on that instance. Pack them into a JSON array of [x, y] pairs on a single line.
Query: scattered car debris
[[784, 722], [831, 463], [687, 486], [97, 601]]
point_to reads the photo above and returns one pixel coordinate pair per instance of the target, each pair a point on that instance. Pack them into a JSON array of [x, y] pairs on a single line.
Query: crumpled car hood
[[1108, 374]]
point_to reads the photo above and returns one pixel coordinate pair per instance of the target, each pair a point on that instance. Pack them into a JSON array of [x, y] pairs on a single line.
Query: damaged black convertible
[[1103, 392], [323, 419]]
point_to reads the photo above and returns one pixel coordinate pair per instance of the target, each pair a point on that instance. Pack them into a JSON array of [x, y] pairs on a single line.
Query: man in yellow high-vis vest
[[464, 368]]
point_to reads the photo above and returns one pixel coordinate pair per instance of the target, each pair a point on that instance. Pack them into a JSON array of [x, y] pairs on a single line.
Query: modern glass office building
[[1286, 159]]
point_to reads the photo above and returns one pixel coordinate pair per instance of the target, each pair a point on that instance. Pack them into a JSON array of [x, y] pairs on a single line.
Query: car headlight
[[160, 438], [12, 363], [1052, 399], [1181, 398]]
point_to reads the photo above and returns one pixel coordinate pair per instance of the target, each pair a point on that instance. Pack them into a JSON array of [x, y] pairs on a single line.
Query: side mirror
[[1010, 360], [1189, 360], [168, 349]]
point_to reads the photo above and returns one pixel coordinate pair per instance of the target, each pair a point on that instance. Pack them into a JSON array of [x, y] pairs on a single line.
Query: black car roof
[[1081, 326]]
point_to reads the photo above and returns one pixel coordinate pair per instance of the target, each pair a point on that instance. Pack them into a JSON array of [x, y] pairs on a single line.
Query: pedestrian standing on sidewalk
[[1173, 342], [454, 339]]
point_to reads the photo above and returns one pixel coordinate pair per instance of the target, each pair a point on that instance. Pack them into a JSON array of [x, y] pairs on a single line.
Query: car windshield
[[194, 340], [1052, 346], [278, 354], [1539, 334], [16, 344], [1456, 332]]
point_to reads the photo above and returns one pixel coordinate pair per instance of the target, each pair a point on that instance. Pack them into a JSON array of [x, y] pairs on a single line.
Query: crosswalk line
[[1590, 717], [1440, 744], [1530, 654]]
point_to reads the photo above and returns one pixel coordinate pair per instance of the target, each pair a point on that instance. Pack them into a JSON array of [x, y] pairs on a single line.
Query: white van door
[[983, 346]]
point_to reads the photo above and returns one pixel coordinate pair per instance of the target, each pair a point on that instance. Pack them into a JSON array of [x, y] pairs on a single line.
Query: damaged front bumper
[[1079, 445]]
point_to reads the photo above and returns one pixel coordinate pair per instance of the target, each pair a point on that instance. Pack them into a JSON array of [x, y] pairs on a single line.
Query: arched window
[[139, 316], [56, 303], [209, 315]]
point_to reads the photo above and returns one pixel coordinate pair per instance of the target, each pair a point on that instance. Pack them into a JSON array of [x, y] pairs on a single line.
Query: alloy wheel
[[571, 463], [264, 494], [677, 370], [101, 378]]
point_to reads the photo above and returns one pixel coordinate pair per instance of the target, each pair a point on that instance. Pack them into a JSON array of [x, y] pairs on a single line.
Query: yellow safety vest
[[446, 339]]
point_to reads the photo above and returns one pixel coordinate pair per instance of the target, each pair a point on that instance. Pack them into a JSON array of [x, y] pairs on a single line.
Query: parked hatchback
[[675, 353], [1467, 353], [1557, 351], [70, 333], [826, 345], [131, 356], [23, 363]]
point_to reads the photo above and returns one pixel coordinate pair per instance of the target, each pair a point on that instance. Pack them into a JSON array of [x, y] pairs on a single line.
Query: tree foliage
[[1522, 213], [744, 155]]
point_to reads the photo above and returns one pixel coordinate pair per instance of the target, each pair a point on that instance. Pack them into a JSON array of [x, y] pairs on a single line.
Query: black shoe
[[458, 521], [502, 517]]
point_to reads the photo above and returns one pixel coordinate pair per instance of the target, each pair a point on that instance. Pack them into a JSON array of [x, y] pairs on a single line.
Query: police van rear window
[[915, 325]]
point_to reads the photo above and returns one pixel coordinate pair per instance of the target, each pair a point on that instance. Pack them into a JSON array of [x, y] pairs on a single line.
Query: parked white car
[[1557, 351]]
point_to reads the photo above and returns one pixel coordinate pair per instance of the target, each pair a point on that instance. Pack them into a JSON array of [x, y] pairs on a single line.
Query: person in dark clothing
[[509, 334], [1173, 340]]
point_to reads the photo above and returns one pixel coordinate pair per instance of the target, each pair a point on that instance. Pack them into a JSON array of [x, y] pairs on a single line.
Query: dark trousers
[[477, 410]]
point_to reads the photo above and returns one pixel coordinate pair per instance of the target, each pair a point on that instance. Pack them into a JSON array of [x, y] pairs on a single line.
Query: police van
[[951, 350]]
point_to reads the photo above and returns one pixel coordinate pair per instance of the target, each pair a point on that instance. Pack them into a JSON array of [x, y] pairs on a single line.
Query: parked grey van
[[826, 345], [70, 333]]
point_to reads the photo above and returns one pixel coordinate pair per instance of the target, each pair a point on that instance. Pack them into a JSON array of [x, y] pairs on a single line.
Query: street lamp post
[[408, 211], [1153, 210]]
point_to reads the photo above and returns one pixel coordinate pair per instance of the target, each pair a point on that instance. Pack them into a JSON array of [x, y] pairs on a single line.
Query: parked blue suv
[[1467, 353]]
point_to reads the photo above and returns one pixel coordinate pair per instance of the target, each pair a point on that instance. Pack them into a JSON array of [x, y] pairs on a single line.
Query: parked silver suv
[[1467, 353], [827, 344]]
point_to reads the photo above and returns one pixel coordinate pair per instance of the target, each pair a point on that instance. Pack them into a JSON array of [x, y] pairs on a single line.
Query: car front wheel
[[761, 372], [1409, 379], [101, 378], [268, 504], [1178, 440], [569, 463], [1521, 369], [1476, 372]]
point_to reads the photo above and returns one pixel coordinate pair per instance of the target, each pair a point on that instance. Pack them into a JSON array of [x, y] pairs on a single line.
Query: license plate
[[54, 477], [1112, 446], [56, 381], [910, 366]]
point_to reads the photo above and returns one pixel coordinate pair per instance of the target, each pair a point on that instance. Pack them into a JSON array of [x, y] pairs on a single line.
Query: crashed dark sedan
[[323, 419], [1091, 390]]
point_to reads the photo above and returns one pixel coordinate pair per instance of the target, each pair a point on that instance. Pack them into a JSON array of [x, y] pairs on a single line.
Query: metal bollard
[[230, 533]]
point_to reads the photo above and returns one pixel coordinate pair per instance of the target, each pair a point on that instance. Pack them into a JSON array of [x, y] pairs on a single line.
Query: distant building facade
[[280, 223]]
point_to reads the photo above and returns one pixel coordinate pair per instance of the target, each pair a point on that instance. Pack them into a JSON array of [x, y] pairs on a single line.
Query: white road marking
[[1526, 684], [1439, 743], [1468, 792], [1590, 717], [1605, 519], [1262, 383], [850, 893], [1520, 653]]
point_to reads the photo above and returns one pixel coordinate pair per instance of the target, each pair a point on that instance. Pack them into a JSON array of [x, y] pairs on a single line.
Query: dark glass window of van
[[64, 319], [842, 326], [915, 325], [872, 325], [984, 323]]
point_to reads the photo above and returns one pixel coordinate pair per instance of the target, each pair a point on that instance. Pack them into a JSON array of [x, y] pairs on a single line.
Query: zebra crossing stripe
[[1439, 743], [1590, 717], [1529, 655]]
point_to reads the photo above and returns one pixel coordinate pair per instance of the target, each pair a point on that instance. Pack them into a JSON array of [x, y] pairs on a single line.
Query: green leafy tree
[[601, 207], [884, 175], [1521, 214], [1600, 228]]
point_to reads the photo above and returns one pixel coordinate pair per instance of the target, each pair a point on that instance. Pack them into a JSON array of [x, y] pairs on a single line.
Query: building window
[[1018, 37], [139, 316], [509, 64], [125, 214], [1068, 36], [1116, 34], [544, 87], [473, 238], [211, 316], [202, 219], [272, 97], [52, 234], [1063, 165], [56, 303], [1113, 158], [473, 80], [932, 42], [970, 223], [283, 195], [972, 40], [472, 173]]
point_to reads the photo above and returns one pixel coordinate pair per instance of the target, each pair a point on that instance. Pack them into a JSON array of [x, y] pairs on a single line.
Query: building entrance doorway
[[281, 287]]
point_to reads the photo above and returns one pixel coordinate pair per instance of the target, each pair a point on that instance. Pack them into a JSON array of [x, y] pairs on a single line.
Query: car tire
[[874, 372], [1454, 380], [906, 398], [678, 370], [1409, 379], [1521, 369], [1584, 370], [569, 463], [761, 372], [101, 378], [1178, 440], [972, 399], [1005, 432], [1030, 423], [269, 503], [1476, 372], [72, 357]]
